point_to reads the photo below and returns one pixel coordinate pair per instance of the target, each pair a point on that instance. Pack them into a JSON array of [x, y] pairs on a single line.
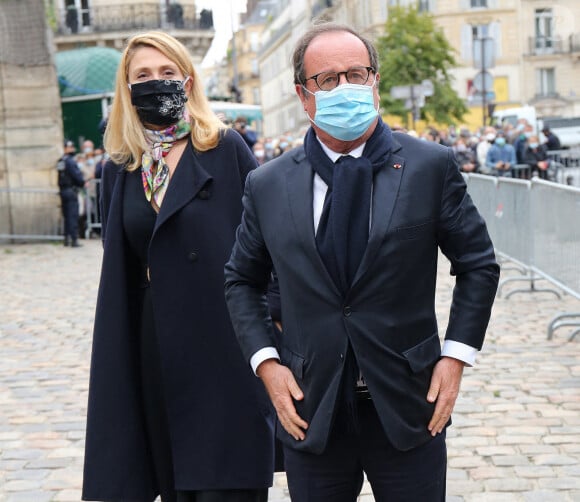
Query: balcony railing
[[545, 45], [248, 75], [119, 17]]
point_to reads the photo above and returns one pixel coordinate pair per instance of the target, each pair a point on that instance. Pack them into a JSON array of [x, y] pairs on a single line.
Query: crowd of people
[[496, 150], [79, 195], [493, 150]]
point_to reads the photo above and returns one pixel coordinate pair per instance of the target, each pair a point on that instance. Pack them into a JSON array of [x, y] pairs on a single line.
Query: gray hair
[[319, 29]]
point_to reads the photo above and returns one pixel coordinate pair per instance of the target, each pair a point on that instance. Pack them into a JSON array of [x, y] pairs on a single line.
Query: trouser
[[70, 211], [336, 475]]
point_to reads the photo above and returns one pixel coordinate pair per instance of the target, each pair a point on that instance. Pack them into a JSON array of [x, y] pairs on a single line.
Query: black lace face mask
[[159, 102]]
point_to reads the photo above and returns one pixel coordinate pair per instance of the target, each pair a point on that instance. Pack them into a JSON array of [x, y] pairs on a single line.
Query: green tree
[[414, 49]]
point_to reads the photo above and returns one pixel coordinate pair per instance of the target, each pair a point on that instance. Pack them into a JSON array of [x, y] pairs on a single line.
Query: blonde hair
[[124, 139]]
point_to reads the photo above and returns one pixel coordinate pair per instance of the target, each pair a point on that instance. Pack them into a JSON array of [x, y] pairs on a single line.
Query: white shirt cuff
[[458, 350], [263, 354]]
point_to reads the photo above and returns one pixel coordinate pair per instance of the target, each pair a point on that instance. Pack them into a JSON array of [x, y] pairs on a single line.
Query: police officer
[[70, 179]]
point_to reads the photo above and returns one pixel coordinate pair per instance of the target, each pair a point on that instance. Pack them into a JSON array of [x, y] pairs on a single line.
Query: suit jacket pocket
[[292, 361], [423, 354]]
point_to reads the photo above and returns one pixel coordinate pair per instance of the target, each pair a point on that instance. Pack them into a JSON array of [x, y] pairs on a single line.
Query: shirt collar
[[334, 156]]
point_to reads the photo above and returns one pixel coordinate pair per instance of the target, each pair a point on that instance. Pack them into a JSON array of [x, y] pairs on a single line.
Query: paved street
[[516, 433]]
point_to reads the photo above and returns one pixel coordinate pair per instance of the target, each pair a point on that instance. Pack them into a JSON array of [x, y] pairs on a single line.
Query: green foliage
[[51, 15], [414, 49]]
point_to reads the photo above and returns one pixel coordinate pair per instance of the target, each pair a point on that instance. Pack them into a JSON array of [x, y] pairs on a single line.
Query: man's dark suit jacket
[[419, 205]]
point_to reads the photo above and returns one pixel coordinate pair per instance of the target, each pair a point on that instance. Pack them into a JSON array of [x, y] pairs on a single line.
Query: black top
[[138, 217]]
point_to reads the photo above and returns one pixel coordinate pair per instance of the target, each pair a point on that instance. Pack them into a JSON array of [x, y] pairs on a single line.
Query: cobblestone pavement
[[516, 432]]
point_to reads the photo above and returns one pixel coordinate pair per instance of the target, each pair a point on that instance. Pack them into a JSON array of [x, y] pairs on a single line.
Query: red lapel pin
[[396, 166]]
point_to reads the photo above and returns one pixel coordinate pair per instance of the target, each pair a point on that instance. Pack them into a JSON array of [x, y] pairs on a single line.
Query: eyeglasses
[[328, 80]]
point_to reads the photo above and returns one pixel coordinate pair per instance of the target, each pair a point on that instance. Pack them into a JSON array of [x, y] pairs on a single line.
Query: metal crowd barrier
[[30, 214], [521, 171], [556, 219], [534, 225], [92, 208], [568, 165]]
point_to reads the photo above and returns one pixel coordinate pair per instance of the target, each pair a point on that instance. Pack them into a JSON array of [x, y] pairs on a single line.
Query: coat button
[[346, 311], [192, 256], [203, 194]]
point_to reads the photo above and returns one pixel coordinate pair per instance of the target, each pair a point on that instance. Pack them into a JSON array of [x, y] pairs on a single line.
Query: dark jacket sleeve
[[74, 173], [247, 274], [109, 175], [464, 239]]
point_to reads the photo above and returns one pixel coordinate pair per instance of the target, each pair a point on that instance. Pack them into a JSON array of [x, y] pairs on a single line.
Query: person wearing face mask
[[536, 156], [259, 152], [173, 409], [352, 223], [88, 196], [465, 156], [501, 156]]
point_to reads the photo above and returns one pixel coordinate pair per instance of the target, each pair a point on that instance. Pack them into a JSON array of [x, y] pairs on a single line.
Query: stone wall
[[30, 112], [31, 135]]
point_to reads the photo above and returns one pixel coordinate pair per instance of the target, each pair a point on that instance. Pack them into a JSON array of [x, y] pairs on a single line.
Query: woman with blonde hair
[[174, 410]]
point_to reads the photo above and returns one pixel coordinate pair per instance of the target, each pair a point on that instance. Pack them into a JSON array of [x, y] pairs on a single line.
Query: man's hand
[[443, 391], [282, 388]]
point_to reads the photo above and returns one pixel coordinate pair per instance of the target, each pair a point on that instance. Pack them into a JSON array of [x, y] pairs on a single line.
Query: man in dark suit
[[358, 377], [70, 180]]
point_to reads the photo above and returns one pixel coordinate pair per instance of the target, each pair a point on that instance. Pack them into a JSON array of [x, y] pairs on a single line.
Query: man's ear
[[302, 94]]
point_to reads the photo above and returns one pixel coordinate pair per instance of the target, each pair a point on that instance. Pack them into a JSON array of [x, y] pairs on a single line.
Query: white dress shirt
[[451, 348]]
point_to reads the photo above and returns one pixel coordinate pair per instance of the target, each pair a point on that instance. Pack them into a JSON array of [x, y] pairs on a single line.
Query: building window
[[424, 5], [479, 31], [491, 33], [255, 68], [256, 95], [254, 42], [477, 3], [77, 15], [545, 82], [544, 23]]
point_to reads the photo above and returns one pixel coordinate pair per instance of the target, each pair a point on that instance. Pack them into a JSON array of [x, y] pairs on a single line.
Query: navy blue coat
[[419, 206], [220, 418]]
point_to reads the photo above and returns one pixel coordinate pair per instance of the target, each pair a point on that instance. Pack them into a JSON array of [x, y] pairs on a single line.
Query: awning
[[87, 72], [234, 110]]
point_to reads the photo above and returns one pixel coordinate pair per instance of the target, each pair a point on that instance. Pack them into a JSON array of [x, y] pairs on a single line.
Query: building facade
[[86, 23], [509, 52]]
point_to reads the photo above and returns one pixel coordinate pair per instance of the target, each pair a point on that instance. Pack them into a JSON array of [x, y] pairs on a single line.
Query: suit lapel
[[299, 176], [386, 185], [188, 179]]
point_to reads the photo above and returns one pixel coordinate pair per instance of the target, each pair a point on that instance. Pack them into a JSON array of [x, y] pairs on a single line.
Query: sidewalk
[[516, 432]]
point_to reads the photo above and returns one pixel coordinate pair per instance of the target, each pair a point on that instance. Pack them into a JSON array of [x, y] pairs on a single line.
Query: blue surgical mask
[[500, 141], [533, 145], [346, 112]]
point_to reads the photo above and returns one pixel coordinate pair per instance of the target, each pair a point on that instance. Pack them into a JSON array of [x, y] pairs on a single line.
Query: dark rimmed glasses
[[328, 80]]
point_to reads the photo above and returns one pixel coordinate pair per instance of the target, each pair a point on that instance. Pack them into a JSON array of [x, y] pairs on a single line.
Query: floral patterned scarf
[[154, 170]]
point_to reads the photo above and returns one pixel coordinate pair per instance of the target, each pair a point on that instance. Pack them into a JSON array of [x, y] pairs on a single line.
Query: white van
[[512, 115], [566, 128]]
